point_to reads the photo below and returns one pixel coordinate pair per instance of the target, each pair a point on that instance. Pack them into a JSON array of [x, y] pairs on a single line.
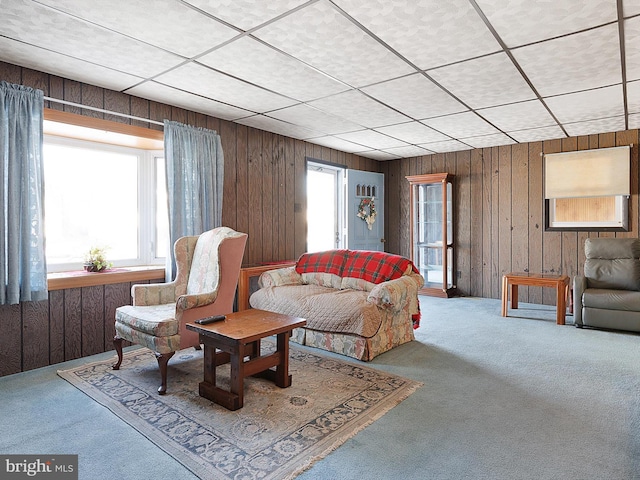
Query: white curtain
[[23, 269], [195, 172]]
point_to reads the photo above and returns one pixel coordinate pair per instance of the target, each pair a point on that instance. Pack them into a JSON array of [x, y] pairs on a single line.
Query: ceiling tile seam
[[316, 69], [72, 57], [248, 83], [594, 119], [373, 36], [203, 97], [252, 29], [245, 33], [107, 29], [564, 35], [593, 89], [623, 63], [507, 50]]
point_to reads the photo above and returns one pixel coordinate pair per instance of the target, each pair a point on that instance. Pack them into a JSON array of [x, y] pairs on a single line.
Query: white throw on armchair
[[208, 267]]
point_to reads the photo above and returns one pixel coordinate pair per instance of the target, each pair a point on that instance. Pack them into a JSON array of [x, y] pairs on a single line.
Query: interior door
[[361, 189]]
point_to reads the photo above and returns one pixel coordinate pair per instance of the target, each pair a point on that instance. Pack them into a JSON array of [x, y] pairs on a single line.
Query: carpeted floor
[[516, 398], [277, 434]]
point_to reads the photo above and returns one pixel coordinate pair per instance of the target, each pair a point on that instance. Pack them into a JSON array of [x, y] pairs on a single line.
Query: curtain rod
[[102, 110]]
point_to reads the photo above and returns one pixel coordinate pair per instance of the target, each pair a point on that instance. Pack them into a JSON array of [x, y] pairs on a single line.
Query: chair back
[[612, 263]]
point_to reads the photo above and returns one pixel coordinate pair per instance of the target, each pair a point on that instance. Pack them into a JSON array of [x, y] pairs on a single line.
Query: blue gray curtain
[[195, 172], [23, 269]]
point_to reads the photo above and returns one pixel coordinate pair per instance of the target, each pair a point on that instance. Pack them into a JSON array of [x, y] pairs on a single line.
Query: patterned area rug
[[277, 434]]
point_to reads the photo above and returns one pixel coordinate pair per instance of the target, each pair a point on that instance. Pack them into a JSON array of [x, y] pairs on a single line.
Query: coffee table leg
[[236, 380], [283, 379]]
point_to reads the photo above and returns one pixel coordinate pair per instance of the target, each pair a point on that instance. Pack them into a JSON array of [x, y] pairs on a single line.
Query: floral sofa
[[356, 303]]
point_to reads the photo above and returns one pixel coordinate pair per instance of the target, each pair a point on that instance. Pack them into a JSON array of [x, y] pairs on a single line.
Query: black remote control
[[215, 318]]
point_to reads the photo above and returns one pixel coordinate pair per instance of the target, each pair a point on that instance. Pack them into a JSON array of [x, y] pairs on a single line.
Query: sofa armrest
[[185, 302], [579, 286], [279, 277], [396, 294], [153, 294]]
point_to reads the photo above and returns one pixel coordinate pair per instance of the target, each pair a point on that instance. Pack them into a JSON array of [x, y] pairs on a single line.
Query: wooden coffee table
[[238, 337], [559, 282]]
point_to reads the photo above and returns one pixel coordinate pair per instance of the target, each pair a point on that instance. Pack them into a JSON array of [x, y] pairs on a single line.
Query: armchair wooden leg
[[117, 343], [163, 359]]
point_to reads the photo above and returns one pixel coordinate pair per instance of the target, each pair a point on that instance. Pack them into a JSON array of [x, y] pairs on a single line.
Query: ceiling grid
[[384, 79]]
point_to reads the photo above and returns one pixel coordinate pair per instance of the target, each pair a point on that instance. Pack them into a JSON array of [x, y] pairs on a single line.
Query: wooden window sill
[[80, 278]]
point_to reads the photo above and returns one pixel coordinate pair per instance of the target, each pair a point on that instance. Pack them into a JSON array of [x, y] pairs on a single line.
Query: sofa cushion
[[376, 267], [156, 320], [611, 299], [326, 309]]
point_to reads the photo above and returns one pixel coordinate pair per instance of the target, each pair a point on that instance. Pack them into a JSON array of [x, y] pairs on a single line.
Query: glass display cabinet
[[431, 233]]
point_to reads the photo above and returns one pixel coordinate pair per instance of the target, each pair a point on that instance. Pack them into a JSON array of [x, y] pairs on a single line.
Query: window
[[98, 194], [324, 205]]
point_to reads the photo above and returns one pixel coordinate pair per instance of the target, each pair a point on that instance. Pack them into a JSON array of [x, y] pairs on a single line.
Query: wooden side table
[[559, 282], [246, 273], [237, 337]]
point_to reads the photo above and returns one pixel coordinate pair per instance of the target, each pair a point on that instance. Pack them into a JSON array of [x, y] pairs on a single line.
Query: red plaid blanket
[[331, 261], [376, 267]]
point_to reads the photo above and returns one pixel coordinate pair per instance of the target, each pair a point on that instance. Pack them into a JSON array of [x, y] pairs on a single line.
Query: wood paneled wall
[[499, 212], [264, 196]]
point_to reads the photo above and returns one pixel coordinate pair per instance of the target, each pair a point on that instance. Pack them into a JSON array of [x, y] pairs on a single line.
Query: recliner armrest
[[579, 286]]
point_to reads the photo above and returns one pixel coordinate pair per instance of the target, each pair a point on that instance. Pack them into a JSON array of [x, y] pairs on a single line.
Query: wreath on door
[[367, 211]]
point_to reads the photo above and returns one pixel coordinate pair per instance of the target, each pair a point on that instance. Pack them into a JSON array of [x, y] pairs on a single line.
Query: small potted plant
[[95, 260]]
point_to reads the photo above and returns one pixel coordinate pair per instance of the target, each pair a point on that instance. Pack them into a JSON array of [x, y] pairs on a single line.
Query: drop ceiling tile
[[602, 125], [416, 96], [274, 125], [378, 155], [519, 22], [407, 152], [44, 60], [457, 27], [259, 64], [494, 140], [43, 27], [371, 139], [171, 96], [518, 116], [246, 14], [315, 119], [484, 82], [633, 96], [459, 125], [632, 47], [170, 25], [537, 134], [446, 146], [357, 107], [217, 86], [634, 120], [319, 35], [413, 132], [630, 7], [578, 62], [338, 144], [589, 105]]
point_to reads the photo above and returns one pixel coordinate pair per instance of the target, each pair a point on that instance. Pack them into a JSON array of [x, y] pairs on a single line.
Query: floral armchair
[[208, 267]]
